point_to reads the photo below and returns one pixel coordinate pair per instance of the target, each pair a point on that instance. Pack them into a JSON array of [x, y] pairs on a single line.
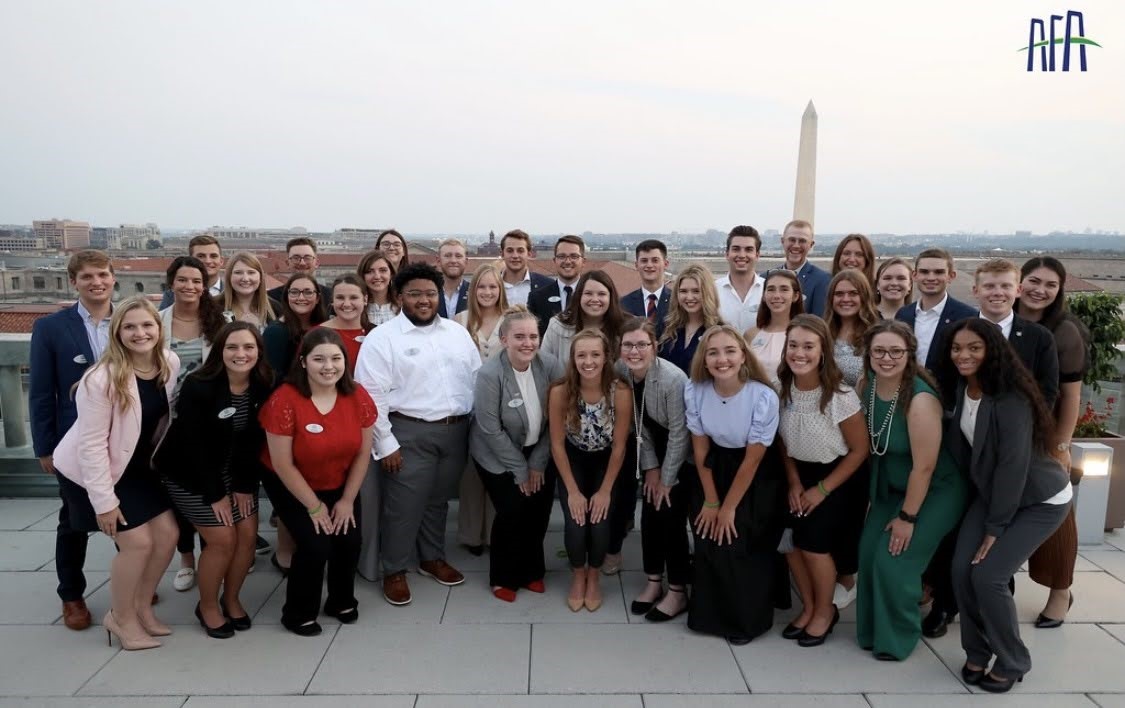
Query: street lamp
[[1095, 460]]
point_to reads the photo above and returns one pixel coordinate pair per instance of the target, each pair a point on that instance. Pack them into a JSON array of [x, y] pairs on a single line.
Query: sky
[[609, 116]]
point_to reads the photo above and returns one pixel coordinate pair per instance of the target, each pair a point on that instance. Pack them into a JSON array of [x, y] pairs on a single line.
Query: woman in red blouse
[[349, 305], [318, 432]]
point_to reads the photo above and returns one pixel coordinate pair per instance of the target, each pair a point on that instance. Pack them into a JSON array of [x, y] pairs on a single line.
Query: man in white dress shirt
[[740, 290], [420, 369]]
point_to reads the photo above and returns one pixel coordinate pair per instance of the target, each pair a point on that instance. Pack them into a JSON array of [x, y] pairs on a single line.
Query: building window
[[117, 286], [58, 284], [140, 286], [39, 282], [15, 283]]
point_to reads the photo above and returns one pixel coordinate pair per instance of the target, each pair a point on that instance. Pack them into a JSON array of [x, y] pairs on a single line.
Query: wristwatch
[[908, 518]]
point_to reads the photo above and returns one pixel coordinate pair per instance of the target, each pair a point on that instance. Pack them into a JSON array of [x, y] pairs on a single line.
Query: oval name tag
[[554, 298], [314, 428], [360, 337], [226, 413], [515, 403], [411, 351]]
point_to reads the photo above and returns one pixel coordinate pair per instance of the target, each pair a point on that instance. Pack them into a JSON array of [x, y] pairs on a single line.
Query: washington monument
[[804, 201]]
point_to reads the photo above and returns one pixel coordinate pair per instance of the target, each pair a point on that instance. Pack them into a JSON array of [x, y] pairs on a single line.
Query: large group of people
[[831, 432]]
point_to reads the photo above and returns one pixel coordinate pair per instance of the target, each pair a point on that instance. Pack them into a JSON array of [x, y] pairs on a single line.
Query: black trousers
[[664, 541], [70, 556], [624, 504], [586, 544], [516, 555], [314, 552]]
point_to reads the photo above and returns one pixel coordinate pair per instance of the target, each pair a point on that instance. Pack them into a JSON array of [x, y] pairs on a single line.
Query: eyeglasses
[[302, 259], [568, 257], [635, 346], [293, 292], [416, 294], [880, 353]]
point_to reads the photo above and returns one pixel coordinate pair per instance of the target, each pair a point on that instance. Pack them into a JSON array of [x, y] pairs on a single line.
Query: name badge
[[758, 341], [226, 413], [515, 403], [412, 351], [80, 359], [314, 428], [554, 298]]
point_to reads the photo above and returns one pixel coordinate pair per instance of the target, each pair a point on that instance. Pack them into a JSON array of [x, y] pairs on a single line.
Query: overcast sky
[[454, 116]]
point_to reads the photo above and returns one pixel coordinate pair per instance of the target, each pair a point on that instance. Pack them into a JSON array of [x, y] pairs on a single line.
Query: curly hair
[[709, 298], [1002, 371], [867, 314], [912, 370]]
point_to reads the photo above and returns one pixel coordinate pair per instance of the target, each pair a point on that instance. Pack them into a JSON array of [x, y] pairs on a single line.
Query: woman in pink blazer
[[105, 465]]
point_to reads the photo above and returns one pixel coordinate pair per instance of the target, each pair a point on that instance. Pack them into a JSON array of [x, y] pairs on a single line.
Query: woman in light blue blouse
[[732, 413]]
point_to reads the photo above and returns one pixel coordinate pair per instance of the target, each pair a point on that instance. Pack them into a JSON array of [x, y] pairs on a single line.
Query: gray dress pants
[[989, 625], [416, 498], [370, 500]]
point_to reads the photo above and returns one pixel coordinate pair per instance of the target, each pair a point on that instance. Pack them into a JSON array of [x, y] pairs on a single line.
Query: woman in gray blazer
[[509, 442], [661, 448], [1000, 432]]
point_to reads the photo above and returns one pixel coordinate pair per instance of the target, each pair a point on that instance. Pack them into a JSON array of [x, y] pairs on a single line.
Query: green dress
[[889, 587]]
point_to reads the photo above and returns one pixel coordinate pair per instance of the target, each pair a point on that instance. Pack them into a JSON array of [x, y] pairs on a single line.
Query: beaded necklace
[[877, 435]]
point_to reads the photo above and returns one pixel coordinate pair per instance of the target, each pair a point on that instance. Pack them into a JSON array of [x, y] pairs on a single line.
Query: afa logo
[[1046, 43]]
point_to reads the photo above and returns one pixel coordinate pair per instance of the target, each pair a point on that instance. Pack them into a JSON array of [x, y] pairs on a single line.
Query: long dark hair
[[299, 377], [1002, 371], [291, 319], [829, 374], [614, 317], [365, 263], [405, 248], [912, 370], [210, 312], [261, 375], [765, 315]]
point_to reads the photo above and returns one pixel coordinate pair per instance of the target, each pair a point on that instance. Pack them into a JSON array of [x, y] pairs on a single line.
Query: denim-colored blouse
[[746, 418]]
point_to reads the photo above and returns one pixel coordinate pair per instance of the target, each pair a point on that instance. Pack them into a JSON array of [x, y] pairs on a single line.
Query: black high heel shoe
[[792, 631], [1045, 622], [224, 631], [994, 684], [972, 676], [810, 640], [239, 624]]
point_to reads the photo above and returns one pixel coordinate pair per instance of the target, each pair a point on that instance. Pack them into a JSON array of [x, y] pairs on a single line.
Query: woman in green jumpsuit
[[917, 493]]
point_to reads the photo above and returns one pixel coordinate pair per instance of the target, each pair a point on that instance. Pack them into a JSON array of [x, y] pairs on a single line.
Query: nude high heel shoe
[[112, 629]]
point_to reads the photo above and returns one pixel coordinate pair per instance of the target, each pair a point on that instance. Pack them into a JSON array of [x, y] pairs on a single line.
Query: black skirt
[[733, 584], [837, 522]]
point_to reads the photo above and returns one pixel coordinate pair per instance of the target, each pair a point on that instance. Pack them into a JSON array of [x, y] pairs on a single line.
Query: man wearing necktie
[[546, 302], [651, 299]]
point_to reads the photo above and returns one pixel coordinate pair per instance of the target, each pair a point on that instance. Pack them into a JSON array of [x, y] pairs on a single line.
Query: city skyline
[[652, 118]]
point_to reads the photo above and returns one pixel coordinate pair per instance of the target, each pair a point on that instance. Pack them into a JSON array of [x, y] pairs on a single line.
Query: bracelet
[[711, 505], [319, 508], [820, 486]]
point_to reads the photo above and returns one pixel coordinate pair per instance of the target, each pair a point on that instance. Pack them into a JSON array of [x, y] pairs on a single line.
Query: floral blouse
[[595, 421]]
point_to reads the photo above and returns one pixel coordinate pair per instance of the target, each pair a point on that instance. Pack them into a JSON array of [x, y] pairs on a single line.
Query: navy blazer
[[953, 311], [634, 303], [462, 300], [546, 302], [60, 354], [1035, 345], [814, 286]]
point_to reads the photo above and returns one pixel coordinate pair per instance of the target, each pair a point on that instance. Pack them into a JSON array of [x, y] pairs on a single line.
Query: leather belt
[[447, 420]]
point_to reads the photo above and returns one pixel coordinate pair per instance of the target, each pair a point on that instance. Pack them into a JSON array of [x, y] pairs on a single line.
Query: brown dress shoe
[[442, 572], [395, 589], [76, 615]]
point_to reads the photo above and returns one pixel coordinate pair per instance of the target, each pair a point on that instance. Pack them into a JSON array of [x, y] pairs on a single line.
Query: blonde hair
[[513, 314], [709, 296], [260, 301], [116, 360], [473, 320], [751, 369]]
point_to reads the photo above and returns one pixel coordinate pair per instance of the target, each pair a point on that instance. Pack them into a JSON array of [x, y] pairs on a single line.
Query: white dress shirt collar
[[1005, 324]]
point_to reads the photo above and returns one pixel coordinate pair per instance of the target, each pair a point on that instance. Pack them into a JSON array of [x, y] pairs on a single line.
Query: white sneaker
[[184, 580], [842, 597]]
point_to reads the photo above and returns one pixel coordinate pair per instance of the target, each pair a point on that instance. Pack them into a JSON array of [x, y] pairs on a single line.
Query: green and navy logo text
[[1046, 42]]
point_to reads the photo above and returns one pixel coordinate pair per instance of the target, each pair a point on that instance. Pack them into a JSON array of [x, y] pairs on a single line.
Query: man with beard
[[420, 369], [452, 260]]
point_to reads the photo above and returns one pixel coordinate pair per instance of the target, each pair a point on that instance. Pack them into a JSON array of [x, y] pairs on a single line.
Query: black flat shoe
[[640, 608], [224, 631], [240, 624], [277, 564], [656, 615], [992, 684], [477, 551], [936, 623], [810, 640], [738, 640], [308, 629], [884, 656], [345, 616], [972, 676], [792, 631], [1045, 622]]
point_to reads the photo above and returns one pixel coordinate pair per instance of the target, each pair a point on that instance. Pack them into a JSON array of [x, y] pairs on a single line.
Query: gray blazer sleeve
[[1010, 432], [488, 440], [541, 453], [679, 439]]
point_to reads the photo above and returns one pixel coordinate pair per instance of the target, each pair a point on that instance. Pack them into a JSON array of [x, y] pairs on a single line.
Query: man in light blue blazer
[[63, 346]]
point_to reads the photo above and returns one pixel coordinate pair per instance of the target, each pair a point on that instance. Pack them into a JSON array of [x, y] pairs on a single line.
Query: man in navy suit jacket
[[546, 302], [935, 309], [796, 242], [452, 260], [63, 346], [651, 299], [210, 254], [519, 281]]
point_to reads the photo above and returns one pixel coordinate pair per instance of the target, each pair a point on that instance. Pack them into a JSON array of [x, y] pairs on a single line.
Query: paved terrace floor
[[461, 647]]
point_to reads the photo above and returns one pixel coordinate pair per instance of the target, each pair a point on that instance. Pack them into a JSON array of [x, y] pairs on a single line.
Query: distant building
[[16, 241], [137, 236], [241, 233], [491, 248], [62, 234]]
